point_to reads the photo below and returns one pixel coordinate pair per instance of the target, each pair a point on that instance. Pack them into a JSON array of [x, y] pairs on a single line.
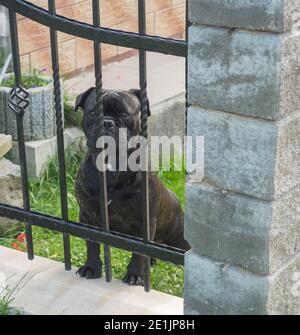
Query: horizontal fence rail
[[18, 103], [114, 239], [96, 34]]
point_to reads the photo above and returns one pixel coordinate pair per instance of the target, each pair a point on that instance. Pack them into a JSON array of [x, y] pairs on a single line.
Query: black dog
[[122, 110]]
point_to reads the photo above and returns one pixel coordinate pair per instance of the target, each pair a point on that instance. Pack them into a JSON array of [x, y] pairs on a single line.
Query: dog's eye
[[125, 114]]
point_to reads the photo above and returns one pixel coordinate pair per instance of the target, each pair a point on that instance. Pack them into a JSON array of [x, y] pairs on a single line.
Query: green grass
[[166, 277], [6, 298], [4, 308]]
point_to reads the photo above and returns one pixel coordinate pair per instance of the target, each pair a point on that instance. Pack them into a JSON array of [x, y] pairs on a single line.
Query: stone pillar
[[243, 218]]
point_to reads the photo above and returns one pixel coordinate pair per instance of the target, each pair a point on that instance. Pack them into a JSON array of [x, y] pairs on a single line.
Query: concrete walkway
[[166, 77], [45, 288]]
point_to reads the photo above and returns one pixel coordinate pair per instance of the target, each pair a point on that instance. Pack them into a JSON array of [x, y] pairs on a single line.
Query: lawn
[[45, 198]]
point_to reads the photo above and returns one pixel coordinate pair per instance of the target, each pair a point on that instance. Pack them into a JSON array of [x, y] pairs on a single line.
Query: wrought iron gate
[[19, 102]]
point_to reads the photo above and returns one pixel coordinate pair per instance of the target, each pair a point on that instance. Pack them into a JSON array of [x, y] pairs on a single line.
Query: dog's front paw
[[90, 272], [133, 279]]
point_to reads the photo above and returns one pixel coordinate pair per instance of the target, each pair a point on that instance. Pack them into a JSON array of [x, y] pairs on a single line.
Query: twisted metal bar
[[102, 175], [60, 135], [144, 109], [57, 98], [18, 102], [100, 120], [99, 103]]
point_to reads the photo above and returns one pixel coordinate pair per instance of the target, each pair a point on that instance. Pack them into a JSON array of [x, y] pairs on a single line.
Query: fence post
[[243, 219]]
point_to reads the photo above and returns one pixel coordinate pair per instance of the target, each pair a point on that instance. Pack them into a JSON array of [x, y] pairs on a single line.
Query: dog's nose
[[108, 124]]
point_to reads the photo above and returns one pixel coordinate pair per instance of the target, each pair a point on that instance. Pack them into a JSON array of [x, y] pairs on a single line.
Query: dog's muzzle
[[109, 124]]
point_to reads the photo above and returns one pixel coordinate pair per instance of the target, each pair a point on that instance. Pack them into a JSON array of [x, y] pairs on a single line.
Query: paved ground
[[44, 287], [166, 77]]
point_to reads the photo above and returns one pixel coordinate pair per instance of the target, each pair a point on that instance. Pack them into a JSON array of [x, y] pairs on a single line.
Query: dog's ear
[[137, 93], [80, 100]]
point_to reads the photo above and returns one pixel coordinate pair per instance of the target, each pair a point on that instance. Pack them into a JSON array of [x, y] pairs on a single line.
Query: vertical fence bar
[[60, 135], [18, 106], [186, 64], [99, 107], [144, 133], [187, 25]]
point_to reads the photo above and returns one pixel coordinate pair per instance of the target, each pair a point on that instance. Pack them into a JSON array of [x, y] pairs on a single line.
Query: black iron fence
[[19, 101]]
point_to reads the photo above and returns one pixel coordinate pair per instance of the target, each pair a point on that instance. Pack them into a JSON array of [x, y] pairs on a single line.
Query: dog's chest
[[124, 218], [124, 215], [124, 203]]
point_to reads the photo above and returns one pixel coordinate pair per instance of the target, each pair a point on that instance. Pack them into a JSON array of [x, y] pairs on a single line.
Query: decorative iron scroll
[[19, 100]]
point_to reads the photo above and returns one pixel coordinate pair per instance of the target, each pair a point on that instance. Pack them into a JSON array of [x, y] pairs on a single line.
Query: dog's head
[[121, 110]]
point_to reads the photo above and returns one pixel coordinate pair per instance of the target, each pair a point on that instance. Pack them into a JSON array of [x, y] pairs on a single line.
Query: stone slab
[[47, 289], [246, 155], [5, 144], [266, 15], [214, 288], [247, 73], [10, 192], [254, 234], [39, 153], [9, 169]]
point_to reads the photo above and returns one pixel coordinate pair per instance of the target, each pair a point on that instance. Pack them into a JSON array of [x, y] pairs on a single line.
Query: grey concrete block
[[213, 288], [221, 289], [266, 15], [39, 117], [284, 236], [249, 156], [38, 153], [228, 227], [287, 171], [248, 73], [257, 235], [239, 154], [289, 75]]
